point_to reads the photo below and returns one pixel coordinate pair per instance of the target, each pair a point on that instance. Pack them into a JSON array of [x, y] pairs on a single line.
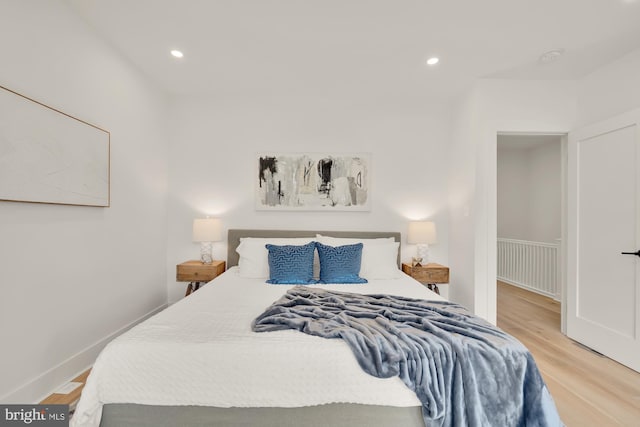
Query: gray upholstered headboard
[[234, 235]]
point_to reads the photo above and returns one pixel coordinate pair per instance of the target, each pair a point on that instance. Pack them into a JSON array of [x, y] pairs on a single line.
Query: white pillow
[[341, 241], [254, 256], [380, 261], [379, 256]]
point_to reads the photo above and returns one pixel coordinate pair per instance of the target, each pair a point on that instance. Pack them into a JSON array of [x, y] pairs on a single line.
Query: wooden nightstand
[[430, 274], [196, 273]]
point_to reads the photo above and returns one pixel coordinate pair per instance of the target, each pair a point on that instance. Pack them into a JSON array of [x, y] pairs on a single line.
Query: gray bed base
[[332, 415], [234, 235]]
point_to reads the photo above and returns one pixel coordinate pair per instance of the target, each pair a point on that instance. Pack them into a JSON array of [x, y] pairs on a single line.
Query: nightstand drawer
[[431, 273], [195, 271]]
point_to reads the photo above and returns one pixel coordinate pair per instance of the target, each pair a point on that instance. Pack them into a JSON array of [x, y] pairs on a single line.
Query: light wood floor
[[589, 389], [71, 398]]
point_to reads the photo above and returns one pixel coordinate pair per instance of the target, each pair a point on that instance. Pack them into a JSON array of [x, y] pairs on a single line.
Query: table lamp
[[206, 231], [423, 234]]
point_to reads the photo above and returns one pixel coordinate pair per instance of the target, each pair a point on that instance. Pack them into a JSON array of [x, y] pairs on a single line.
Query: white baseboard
[[43, 385]]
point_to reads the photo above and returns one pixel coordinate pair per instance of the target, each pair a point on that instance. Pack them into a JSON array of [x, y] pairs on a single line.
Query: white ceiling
[[375, 48]]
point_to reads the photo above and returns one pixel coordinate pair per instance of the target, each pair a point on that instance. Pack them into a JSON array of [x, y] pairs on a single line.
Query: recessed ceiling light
[[551, 56], [177, 53], [433, 60]]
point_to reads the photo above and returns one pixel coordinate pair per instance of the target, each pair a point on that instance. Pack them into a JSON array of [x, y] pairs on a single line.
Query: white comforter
[[201, 351]]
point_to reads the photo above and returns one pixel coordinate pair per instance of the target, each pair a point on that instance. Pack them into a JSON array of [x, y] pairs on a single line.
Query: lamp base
[[206, 255], [423, 252]]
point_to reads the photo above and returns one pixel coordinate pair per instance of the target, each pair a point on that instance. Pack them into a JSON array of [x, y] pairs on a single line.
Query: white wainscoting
[[530, 265]]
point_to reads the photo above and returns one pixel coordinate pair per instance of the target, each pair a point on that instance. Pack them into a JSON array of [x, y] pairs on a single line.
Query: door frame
[[493, 215]]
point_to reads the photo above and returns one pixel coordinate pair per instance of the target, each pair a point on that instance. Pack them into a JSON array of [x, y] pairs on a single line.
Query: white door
[[603, 285]]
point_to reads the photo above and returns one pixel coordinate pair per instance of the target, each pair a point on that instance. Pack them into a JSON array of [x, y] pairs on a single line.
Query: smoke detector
[[551, 56]]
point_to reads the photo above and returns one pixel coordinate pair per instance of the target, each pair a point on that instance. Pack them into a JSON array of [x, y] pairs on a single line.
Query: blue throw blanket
[[465, 371]]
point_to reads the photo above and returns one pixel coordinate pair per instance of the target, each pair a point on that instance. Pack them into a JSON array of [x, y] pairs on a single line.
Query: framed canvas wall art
[[313, 181], [47, 156]]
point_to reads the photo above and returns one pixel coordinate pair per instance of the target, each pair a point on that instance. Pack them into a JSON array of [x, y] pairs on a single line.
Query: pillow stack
[[254, 261], [379, 256], [294, 260]]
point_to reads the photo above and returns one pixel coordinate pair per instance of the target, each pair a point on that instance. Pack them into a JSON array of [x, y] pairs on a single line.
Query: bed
[[198, 363]]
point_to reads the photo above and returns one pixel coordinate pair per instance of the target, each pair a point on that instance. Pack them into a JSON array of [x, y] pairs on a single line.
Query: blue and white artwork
[[314, 181]]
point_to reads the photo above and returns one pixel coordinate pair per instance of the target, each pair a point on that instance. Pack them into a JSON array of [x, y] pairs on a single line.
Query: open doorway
[[529, 228]]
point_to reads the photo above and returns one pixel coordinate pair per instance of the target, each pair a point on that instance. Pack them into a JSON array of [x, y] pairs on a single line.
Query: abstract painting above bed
[[313, 181]]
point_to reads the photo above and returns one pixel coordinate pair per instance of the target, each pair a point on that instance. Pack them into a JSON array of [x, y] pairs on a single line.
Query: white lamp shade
[[421, 232], [207, 230]]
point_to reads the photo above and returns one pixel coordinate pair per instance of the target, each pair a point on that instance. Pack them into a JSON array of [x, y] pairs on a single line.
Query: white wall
[[461, 186], [545, 185], [72, 276], [610, 90], [513, 193], [213, 156], [494, 106], [529, 186]]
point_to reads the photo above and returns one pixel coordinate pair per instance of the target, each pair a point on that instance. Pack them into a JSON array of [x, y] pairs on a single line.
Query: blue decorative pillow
[[291, 264], [340, 264]]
